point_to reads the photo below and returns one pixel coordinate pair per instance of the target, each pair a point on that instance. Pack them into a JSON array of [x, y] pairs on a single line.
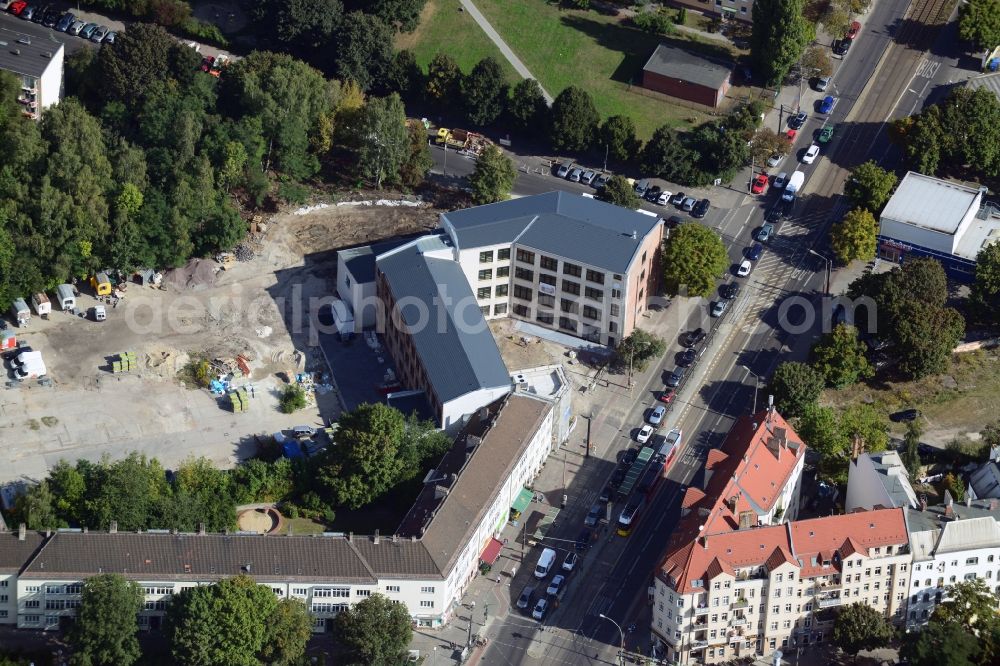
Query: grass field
[[958, 402], [562, 47], [304, 526], [443, 28]]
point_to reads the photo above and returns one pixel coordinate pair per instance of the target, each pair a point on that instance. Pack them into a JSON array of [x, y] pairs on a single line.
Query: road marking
[[928, 68]]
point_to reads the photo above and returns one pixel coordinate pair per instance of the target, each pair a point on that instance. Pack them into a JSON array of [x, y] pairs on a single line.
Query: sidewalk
[[488, 597]]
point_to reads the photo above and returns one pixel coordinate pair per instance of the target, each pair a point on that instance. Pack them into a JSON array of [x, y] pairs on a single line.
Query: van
[[641, 187], [545, 561]]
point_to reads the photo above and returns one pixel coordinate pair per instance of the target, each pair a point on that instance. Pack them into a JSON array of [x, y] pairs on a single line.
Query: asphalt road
[[749, 342]]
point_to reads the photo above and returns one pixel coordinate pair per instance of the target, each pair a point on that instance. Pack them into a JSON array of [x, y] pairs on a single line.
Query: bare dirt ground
[[199, 311]]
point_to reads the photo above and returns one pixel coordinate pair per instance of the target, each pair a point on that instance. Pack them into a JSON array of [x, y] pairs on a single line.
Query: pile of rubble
[[243, 252]]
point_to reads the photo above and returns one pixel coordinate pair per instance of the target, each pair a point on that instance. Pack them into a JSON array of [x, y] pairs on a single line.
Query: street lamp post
[[621, 652], [756, 385], [829, 268]]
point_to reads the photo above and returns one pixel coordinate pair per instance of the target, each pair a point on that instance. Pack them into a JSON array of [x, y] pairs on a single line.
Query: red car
[[853, 31], [17, 7], [207, 62], [668, 395], [759, 185]]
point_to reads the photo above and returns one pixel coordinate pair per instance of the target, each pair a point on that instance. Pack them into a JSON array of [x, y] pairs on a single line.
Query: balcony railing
[[701, 610], [697, 645], [830, 601], [738, 622], [741, 603]]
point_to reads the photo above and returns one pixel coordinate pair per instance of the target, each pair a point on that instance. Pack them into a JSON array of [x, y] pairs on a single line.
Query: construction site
[[129, 382]]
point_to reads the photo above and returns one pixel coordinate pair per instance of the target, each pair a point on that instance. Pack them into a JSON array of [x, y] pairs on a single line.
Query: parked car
[[798, 120], [17, 7], [775, 160], [571, 557], [826, 106], [674, 221], [678, 198], [574, 174], [555, 587], [730, 290], [719, 308], [65, 22], [759, 184], [675, 378], [657, 414], [688, 204], [88, 30], [812, 152], [98, 35], [765, 232], [645, 432], [563, 169], [594, 515], [652, 194], [841, 46], [773, 214], [617, 477], [110, 37], [27, 13], [780, 180], [524, 600], [700, 209], [76, 27], [583, 540], [826, 134], [541, 608], [744, 268], [695, 337], [51, 17], [687, 358], [13, 353], [641, 187], [601, 181], [663, 199], [754, 252], [38, 14], [853, 31], [629, 456], [667, 396], [823, 82], [603, 498], [905, 415], [588, 177]]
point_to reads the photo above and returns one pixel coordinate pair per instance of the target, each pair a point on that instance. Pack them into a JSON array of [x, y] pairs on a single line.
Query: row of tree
[[234, 622]]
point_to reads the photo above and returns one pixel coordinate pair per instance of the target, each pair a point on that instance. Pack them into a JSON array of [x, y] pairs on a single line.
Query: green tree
[[664, 155], [816, 62], [574, 120], [404, 15], [639, 348], [767, 142], [527, 107], [299, 25], [656, 21], [954, 485], [201, 494], [962, 129], [385, 141], [419, 162], [693, 258], [942, 644], [795, 387], [969, 603], [860, 627], [375, 631], [484, 92], [35, 508], [365, 462], [293, 398], [493, 178], [235, 622], [819, 428], [105, 630], [979, 23], [870, 186], [854, 237], [617, 137], [911, 449], [985, 296], [69, 488], [364, 49], [404, 75], [925, 336], [142, 54], [837, 20], [128, 491], [777, 38], [421, 445], [867, 424], [618, 191], [444, 78], [840, 357]]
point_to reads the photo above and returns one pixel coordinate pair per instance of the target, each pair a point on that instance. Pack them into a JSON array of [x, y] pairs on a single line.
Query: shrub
[[655, 22], [204, 32], [292, 399], [682, 15]]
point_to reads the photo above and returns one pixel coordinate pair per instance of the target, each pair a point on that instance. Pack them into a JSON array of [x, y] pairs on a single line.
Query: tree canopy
[[375, 631], [574, 120], [493, 178], [870, 186], [979, 23], [618, 191], [105, 630], [777, 39], [861, 627], [693, 258], [985, 296], [617, 137], [639, 348], [795, 387], [484, 92], [855, 236], [841, 358], [964, 629], [527, 107], [384, 139]]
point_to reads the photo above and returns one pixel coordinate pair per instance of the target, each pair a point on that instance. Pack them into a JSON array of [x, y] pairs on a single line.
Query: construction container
[[41, 304], [101, 284]]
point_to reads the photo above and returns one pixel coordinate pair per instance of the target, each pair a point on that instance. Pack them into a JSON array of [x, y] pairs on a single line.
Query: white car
[[570, 561], [780, 181], [745, 268], [774, 160], [664, 198], [811, 154], [588, 177], [657, 414], [644, 434]]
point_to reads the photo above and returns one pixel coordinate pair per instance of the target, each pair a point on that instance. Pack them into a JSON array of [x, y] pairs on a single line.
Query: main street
[[873, 86]]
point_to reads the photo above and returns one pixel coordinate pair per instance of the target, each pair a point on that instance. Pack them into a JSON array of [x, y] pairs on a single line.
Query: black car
[[701, 208], [730, 290], [678, 198], [653, 193], [905, 415], [51, 18], [618, 477], [629, 456], [28, 12], [39, 14], [675, 378], [798, 120], [583, 540], [674, 221], [754, 252], [841, 46], [686, 358], [695, 337], [605, 495]]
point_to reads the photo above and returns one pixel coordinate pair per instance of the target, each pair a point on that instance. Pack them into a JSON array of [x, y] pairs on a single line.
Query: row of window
[[552, 264], [969, 561], [486, 256]]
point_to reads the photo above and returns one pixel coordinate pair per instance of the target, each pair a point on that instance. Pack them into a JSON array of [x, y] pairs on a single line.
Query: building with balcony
[[878, 479], [951, 543], [564, 262], [426, 565], [37, 62], [751, 591]]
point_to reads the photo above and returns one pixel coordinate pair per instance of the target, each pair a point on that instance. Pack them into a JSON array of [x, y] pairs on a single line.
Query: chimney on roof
[[777, 441], [857, 447], [704, 542], [947, 498], [113, 527], [85, 528], [22, 532], [923, 502], [201, 529], [968, 498], [376, 536]]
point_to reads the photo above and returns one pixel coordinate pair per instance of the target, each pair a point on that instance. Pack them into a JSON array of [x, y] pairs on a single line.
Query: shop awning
[[491, 552], [522, 500]]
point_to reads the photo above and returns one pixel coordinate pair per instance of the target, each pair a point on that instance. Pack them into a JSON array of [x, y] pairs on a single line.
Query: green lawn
[[303, 526], [443, 28]]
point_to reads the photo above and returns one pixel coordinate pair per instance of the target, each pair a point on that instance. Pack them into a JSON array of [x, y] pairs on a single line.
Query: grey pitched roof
[[450, 335], [207, 557], [935, 517], [360, 261], [15, 553], [680, 64], [893, 477], [573, 227], [27, 50]]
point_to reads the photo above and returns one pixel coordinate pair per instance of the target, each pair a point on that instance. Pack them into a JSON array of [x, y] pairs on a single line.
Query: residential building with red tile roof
[[736, 582]]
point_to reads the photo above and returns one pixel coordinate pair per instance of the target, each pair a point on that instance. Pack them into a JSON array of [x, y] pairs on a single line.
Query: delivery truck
[[794, 185]]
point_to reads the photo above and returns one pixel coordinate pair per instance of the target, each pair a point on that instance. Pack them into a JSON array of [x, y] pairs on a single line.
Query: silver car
[[588, 177], [76, 27], [688, 204], [99, 33], [575, 174]]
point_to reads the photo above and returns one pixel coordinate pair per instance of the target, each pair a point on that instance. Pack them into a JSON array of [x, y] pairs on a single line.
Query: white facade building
[[37, 62]]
